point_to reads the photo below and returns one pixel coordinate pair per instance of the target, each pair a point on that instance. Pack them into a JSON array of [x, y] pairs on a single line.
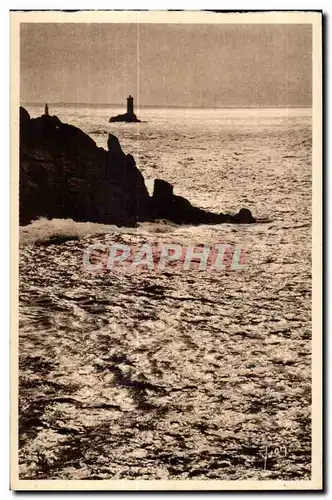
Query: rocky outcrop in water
[[129, 116], [125, 118], [179, 210], [63, 174]]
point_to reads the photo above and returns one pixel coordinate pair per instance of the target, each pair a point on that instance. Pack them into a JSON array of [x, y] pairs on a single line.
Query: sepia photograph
[[166, 272]]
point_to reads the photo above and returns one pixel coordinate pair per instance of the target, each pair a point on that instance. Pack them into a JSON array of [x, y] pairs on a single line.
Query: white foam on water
[[43, 230]]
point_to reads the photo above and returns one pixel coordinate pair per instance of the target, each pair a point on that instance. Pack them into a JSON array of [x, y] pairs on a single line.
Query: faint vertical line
[[138, 56], [138, 166]]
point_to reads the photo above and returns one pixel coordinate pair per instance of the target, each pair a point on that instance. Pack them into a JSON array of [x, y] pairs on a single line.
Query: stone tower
[[130, 105]]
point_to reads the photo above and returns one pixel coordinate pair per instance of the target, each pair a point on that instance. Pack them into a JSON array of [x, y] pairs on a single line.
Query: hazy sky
[[167, 64]]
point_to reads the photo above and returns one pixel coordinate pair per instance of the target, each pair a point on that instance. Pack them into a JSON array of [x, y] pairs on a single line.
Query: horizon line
[[253, 106]]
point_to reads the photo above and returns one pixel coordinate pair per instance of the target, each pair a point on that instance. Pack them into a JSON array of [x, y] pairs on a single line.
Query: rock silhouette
[[63, 174], [129, 116], [179, 210]]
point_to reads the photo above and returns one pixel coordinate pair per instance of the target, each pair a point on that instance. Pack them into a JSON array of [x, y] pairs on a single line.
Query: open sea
[[176, 374]]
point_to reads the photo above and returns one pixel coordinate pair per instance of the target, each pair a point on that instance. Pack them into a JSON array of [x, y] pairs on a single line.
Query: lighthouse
[[130, 106], [129, 116]]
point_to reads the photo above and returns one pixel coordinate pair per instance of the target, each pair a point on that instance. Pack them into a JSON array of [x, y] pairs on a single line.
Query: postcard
[[166, 214]]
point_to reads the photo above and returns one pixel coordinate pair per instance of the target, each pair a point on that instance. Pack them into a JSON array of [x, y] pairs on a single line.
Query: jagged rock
[[179, 210], [162, 190], [125, 118], [243, 217], [114, 146], [24, 117], [64, 174]]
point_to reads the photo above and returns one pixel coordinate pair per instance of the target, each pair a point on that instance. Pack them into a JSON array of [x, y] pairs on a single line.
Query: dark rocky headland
[[63, 174]]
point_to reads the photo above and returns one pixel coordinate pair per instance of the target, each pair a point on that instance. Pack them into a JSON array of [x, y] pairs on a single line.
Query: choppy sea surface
[[176, 374]]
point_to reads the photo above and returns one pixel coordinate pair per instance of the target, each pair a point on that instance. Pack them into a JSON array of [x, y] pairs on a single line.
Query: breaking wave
[[44, 230]]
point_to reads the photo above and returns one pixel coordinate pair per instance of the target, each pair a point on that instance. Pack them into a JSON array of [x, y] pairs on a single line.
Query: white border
[[84, 5]]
